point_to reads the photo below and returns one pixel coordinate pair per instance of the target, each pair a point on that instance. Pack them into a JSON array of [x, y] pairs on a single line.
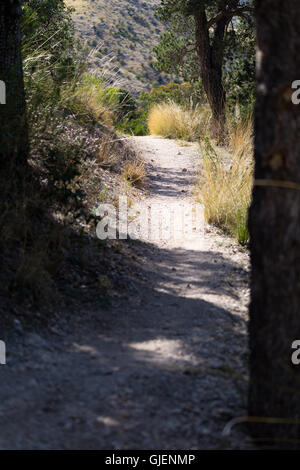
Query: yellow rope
[[277, 184]]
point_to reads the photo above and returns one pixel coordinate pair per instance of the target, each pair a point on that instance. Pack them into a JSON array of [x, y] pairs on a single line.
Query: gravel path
[[165, 369]]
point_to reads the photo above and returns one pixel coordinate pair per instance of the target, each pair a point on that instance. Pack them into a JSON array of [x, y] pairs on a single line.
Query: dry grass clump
[[88, 104], [108, 156], [240, 136], [225, 186], [173, 121], [135, 172]]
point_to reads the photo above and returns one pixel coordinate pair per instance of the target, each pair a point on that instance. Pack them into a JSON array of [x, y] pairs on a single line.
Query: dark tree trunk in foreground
[[275, 226], [13, 129]]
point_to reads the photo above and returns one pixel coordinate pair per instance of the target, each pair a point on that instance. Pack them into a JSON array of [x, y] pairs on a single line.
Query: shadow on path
[[164, 370]]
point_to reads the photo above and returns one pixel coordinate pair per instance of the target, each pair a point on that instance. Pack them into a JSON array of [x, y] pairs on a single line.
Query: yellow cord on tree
[[277, 183]]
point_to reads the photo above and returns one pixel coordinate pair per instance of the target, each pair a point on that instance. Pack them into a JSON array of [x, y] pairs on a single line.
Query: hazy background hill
[[126, 30]]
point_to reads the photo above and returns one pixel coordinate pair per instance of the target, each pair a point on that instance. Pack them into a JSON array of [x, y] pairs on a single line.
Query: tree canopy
[[211, 41]]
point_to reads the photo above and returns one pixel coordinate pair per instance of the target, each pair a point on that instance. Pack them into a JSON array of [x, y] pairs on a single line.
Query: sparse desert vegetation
[[75, 154], [126, 31], [124, 312]]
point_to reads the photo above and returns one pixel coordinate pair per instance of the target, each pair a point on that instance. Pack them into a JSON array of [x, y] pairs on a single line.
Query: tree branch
[[229, 14]]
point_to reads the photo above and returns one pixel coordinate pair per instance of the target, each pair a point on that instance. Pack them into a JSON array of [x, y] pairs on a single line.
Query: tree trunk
[[275, 226], [13, 129], [211, 63]]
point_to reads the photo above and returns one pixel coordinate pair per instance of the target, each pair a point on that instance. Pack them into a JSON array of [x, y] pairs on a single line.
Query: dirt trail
[[164, 370]]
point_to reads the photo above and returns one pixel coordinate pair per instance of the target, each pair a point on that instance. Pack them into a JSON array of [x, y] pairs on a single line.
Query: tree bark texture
[[13, 128], [210, 55], [275, 227]]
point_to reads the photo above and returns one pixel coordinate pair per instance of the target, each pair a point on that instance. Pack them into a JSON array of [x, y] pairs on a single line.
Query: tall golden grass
[[226, 181], [173, 121]]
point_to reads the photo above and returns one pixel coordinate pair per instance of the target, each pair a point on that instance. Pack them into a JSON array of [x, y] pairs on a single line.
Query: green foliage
[[239, 70], [135, 126], [52, 64], [190, 7], [98, 95], [126, 104], [241, 229], [183, 94], [134, 120], [176, 52], [52, 57], [48, 36]]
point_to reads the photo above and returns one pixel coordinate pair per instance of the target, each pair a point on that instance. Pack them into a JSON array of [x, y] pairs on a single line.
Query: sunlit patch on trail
[[163, 350]]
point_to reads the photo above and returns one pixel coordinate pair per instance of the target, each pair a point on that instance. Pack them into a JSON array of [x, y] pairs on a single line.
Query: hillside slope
[[126, 30]]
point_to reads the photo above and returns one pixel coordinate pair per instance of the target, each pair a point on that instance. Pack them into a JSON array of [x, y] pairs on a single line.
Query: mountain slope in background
[[126, 30]]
